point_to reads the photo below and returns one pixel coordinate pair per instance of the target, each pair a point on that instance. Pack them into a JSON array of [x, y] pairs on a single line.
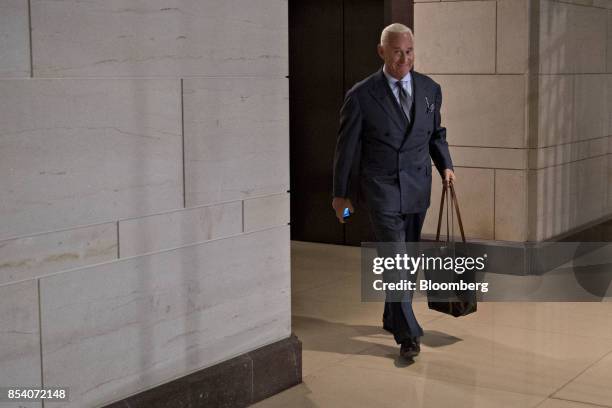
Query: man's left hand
[[449, 177]]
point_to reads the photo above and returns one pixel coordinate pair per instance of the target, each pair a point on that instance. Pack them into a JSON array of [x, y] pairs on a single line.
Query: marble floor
[[545, 355]]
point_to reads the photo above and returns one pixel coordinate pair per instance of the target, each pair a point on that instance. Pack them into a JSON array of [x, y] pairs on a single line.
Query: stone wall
[[571, 158], [527, 108], [144, 155]]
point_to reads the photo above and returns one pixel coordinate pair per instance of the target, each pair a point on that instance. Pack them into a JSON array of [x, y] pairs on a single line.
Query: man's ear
[[381, 51]]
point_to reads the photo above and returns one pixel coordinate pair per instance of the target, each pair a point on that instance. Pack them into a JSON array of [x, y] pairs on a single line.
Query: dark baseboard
[[596, 231], [239, 382], [537, 258]]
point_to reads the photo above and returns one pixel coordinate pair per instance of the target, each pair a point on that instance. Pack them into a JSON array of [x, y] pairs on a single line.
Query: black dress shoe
[[410, 348], [417, 345]]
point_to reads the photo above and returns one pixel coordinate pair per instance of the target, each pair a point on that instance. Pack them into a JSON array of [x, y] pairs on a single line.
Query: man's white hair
[[393, 28]]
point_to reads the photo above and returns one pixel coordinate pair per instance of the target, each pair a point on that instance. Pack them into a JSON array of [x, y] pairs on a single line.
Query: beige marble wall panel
[[87, 151], [236, 138], [609, 41], [115, 329], [178, 228], [570, 195], [511, 205], [512, 36], [265, 212], [484, 110], [592, 190], [609, 103], [595, 3], [553, 201], [556, 109], [603, 3], [19, 339], [579, 2], [455, 37], [564, 31], [475, 194], [590, 104], [568, 152], [489, 157], [38, 255], [572, 108], [175, 38], [14, 39]]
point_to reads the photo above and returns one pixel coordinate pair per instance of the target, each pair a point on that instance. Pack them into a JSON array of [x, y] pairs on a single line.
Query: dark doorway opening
[[332, 45]]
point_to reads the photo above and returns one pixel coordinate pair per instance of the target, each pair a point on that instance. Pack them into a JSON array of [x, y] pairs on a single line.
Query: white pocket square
[[430, 106]]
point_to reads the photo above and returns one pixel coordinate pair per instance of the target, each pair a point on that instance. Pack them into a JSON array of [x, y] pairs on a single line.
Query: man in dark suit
[[389, 129]]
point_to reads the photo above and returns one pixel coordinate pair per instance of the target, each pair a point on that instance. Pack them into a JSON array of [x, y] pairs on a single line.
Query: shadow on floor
[[335, 337]]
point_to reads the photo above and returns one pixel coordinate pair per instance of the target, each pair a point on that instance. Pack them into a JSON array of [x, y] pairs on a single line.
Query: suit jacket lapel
[[383, 95], [417, 92]]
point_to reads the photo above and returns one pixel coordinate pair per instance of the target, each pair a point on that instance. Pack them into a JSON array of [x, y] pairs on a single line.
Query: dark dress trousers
[[383, 158]]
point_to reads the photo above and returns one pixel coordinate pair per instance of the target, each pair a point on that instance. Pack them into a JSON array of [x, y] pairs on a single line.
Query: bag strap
[[440, 213], [454, 206], [454, 199], [450, 218]]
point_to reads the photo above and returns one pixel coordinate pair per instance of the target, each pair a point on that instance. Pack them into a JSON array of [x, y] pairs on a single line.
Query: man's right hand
[[339, 204]]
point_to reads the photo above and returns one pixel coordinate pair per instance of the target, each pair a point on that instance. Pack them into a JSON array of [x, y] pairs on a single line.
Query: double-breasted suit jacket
[[383, 157]]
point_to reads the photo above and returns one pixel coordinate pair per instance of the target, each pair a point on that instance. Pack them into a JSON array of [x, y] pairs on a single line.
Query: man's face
[[398, 54]]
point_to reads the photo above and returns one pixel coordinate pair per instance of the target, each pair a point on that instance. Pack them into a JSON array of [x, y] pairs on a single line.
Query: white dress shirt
[[406, 84]]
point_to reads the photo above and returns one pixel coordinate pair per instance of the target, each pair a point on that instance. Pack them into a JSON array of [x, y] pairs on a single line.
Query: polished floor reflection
[[546, 355]]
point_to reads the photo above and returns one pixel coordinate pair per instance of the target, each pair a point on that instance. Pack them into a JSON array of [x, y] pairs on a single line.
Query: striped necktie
[[404, 99]]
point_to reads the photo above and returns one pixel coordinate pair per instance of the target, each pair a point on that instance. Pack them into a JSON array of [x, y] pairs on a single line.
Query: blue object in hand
[[346, 213]]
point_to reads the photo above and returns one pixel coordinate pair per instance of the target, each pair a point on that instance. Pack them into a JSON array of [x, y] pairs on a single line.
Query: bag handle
[[454, 206], [454, 196]]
